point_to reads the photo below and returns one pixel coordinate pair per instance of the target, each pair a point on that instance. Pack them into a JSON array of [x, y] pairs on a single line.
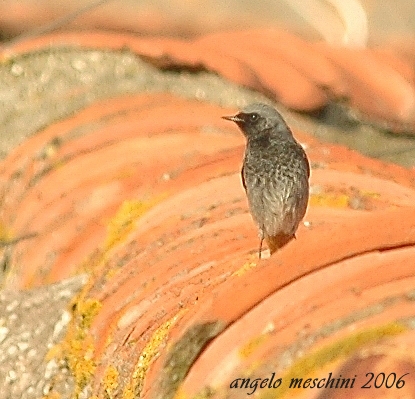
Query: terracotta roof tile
[[303, 76], [143, 192], [375, 87]]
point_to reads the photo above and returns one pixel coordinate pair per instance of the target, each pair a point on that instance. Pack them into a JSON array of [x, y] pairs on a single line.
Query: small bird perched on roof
[[275, 174]]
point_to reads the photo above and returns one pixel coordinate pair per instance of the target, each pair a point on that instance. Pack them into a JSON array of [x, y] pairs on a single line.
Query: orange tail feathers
[[277, 242]]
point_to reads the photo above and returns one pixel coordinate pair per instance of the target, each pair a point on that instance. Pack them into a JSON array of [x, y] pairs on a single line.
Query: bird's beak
[[234, 118]]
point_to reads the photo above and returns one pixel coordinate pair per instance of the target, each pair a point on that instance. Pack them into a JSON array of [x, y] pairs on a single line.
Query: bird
[[275, 174]]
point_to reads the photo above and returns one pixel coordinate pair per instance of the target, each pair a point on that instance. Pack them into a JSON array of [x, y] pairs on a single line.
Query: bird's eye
[[253, 117]]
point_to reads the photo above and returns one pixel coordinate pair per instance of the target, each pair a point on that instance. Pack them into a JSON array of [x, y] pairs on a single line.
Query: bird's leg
[[261, 240]]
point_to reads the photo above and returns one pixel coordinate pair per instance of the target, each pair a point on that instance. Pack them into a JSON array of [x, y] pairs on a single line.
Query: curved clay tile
[[303, 76], [143, 192], [375, 88], [189, 257], [124, 159]]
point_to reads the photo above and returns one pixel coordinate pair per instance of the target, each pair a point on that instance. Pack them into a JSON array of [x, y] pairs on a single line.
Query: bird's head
[[257, 119]]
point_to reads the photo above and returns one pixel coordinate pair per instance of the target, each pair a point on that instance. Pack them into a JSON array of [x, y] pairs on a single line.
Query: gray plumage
[[275, 174]]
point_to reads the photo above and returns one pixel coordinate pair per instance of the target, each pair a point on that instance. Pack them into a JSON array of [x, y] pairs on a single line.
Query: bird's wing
[[304, 155], [243, 177]]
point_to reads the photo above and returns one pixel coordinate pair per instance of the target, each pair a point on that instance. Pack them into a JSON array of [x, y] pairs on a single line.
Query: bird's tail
[[278, 241]]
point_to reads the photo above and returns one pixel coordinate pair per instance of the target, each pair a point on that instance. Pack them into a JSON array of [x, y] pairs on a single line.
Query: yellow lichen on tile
[[245, 267], [5, 233], [252, 345], [118, 229], [148, 354], [370, 194], [317, 360], [78, 344], [330, 200], [206, 393], [123, 222], [111, 383], [52, 395]]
